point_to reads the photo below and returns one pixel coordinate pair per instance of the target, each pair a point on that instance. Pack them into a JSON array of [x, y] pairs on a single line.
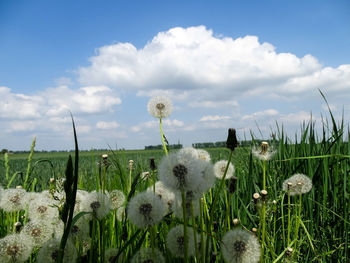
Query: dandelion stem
[[183, 196], [289, 223], [162, 135]]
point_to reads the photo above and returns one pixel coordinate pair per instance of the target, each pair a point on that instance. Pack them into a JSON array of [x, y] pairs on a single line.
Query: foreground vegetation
[[288, 226]]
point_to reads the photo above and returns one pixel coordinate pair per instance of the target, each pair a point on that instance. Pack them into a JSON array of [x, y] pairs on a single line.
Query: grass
[[323, 221]]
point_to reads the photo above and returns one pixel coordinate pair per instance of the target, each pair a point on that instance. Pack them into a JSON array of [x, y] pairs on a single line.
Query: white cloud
[[195, 65], [260, 114], [105, 125], [214, 118], [169, 124], [56, 102]]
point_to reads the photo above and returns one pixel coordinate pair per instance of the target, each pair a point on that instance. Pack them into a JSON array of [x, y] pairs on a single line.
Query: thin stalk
[[183, 196], [162, 135], [297, 225], [289, 222], [194, 232], [202, 230]]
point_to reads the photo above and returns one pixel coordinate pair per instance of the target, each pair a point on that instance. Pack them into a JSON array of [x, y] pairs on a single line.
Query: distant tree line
[[160, 146]]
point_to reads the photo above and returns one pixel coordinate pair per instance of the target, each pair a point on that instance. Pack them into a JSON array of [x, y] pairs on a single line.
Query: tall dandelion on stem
[[160, 107]]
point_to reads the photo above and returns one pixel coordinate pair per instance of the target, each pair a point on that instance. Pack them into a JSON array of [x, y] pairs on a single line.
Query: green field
[[317, 230]]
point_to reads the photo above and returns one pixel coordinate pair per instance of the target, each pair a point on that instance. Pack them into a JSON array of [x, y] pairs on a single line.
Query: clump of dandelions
[[145, 209], [297, 184], [219, 169], [175, 241], [14, 248], [264, 152], [239, 246], [148, 255], [160, 107]]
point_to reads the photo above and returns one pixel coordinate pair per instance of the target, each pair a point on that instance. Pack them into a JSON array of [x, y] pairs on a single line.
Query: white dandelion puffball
[[42, 208], [120, 214], [48, 253], [239, 246], [160, 107], [175, 241], [97, 203], [13, 200], [14, 248], [264, 152], [203, 155], [178, 210], [80, 230], [145, 209], [117, 198], [164, 193], [208, 177], [189, 151], [219, 169], [38, 232], [180, 171], [297, 184], [148, 254]]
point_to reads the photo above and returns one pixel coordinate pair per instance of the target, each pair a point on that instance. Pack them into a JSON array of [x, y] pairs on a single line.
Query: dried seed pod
[[231, 141]]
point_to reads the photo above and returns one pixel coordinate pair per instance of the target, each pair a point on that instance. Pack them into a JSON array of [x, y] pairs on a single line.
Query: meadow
[[253, 215]]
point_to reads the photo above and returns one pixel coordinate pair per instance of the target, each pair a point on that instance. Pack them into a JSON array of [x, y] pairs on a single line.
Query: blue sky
[[242, 64]]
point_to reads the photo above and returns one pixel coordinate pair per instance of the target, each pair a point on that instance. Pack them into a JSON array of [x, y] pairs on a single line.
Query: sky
[[248, 65]]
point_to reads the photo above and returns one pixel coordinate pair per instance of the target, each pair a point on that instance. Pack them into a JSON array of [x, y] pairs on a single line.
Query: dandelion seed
[[219, 169], [263, 152], [13, 200], [180, 171], [48, 253], [239, 246], [297, 184], [175, 241], [117, 198], [145, 209], [160, 107], [148, 255], [15, 248], [97, 203]]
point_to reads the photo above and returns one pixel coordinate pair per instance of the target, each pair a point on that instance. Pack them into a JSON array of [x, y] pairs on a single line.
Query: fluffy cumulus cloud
[[203, 67], [48, 109]]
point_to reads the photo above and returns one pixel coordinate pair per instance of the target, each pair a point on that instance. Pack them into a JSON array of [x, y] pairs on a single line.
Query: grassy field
[[313, 227]]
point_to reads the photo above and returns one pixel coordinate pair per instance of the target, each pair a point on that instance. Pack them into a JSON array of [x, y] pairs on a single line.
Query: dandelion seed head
[[13, 200], [38, 231], [14, 248], [120, 213], [48, 253], [164, 193], [203, 155], [240, 246], [180, 171], [145, 209], [160, 107], [264, 151], [97, 203], [297, 184], [175, 241], [43, 208], [148, 255], [220, 167]]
